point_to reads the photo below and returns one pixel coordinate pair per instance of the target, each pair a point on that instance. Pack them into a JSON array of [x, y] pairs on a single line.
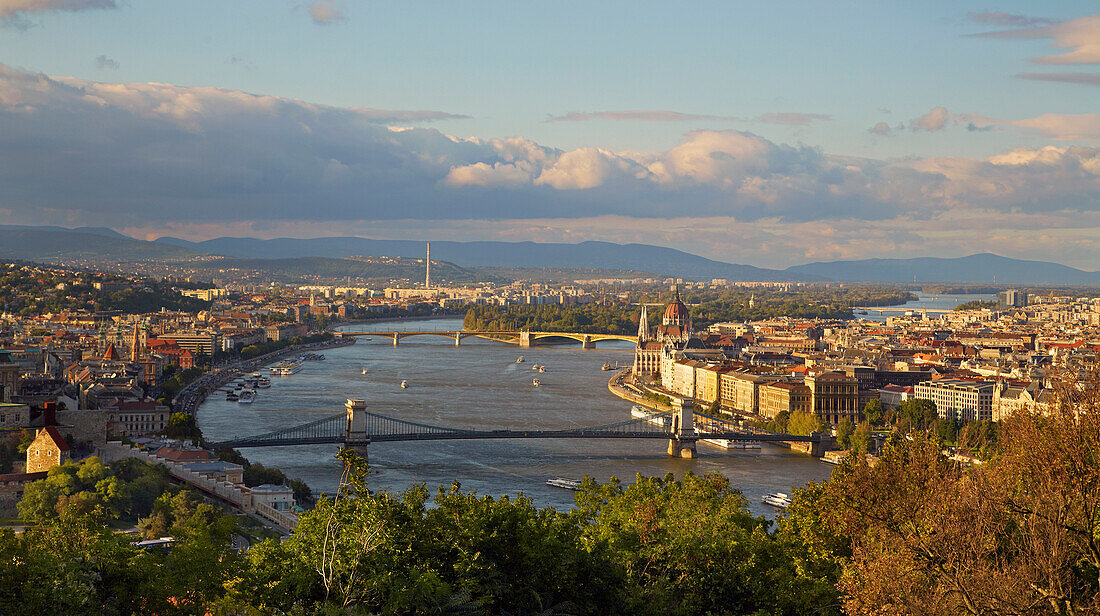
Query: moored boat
[[247, 396], [777, 499], [564, 482]]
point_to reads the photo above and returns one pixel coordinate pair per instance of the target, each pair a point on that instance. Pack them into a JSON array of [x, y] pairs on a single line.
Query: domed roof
[[676, 310]]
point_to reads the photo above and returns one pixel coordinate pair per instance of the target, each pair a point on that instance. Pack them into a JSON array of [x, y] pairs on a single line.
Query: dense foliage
[[580, 318], [976, 305], [707, 306], [124, 491], [35, 289]]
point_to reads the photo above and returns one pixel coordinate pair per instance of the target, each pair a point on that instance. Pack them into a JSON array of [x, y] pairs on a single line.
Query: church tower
[[643, 327]]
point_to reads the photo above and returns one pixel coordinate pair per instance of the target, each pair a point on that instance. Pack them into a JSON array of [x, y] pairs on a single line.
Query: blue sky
[[782, 95]]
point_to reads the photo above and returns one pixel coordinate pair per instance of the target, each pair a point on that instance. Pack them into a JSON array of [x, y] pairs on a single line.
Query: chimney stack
[[428, 268]]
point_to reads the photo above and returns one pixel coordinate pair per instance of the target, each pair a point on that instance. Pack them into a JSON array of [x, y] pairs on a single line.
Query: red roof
[[55, 436], [111, 354]]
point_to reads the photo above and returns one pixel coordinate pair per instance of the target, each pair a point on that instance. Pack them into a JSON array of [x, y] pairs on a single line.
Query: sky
[[771, 134]]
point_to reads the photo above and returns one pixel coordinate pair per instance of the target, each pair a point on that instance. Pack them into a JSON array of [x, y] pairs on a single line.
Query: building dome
[[676, 313]]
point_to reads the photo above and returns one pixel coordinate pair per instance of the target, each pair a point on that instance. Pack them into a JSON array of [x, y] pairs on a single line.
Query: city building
[[47, 450], [958, 399]]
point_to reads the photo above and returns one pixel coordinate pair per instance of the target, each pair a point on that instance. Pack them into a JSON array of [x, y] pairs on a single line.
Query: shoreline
[[190, 400]]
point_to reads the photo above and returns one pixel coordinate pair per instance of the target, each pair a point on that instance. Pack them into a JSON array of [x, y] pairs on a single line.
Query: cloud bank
[[158, 156], [10, 8]]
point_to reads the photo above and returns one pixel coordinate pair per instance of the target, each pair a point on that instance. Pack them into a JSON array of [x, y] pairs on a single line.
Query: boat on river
[[363, 371], [565, 483], [780, 500], [404, 384], [520, 360], [536, 382], [247, 396], [606, 366]]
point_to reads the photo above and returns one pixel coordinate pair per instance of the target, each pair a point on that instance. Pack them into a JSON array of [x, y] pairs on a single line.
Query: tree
[[183, 426], [803, 424], [1017, 535], [874, 411], [844, 432], [861, 438]]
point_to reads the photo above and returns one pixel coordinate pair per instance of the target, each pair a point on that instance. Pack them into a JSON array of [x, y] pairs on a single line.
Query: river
[[480, 385], [926, 301]]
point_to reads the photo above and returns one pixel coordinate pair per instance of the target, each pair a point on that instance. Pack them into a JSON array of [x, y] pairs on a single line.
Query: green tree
[[874, 411], [183, 426], [861, 438], [803, 424], [844, 432]]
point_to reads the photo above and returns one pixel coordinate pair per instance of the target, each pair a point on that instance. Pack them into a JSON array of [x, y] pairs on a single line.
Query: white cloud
[[882, 128], [1081, 36], [793, 119], [932, 121], [325, 12], [18, 7], [641, 115], [81, 152]]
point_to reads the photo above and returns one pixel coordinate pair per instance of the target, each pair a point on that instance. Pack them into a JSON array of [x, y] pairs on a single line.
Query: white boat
[[536, 382], [404, 384], [520, 360], [286, 368], [653, 417], [363, 371], [564, 482], [778, 499], [606, 366], [247, 396], [263, 382], [542, 369], [726, 443], [535, 367]]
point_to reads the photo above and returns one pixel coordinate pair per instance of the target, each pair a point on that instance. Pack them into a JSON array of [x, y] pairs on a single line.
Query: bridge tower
[[355, 432], [682, 443]]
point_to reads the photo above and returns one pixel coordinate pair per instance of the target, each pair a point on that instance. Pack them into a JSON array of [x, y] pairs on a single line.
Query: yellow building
[[778, 397], [47, 450]]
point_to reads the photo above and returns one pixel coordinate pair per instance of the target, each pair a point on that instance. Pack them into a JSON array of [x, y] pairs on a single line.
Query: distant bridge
[[357, 428], [524, 339], [881, 310]]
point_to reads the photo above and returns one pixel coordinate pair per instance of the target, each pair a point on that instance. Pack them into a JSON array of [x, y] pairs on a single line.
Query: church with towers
[[673, 334]]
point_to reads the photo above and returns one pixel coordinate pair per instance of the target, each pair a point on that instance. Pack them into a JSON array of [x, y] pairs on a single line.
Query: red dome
[[676, 311]]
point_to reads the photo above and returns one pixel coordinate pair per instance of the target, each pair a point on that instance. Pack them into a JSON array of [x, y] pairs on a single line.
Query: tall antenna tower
[[428, 268]]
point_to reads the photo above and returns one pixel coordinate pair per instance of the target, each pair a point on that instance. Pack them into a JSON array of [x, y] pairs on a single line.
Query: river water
[[927, 301], [479, 385]]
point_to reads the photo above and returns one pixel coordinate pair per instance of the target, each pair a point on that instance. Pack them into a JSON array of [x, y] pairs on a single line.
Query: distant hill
[[101, 246], [603, 255], [45, 245], [979, 268], [298, 268]]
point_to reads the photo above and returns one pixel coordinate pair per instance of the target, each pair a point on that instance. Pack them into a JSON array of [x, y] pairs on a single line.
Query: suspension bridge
[[357, 428], [524, 339]]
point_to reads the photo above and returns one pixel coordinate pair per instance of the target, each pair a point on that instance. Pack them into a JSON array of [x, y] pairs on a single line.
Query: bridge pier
[[525, 340], [355, 433], [396, 338], [587, 343], [682, 443], [458, 338]]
